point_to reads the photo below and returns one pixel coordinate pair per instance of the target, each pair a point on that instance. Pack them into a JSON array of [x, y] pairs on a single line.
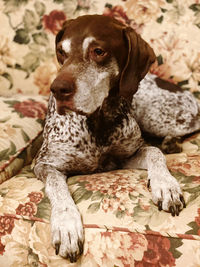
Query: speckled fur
[[80, 150], [107, 136], [71, 147], [163, 113]]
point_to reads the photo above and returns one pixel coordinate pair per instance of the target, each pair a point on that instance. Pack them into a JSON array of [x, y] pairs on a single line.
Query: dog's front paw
[[67, 233], [166, 193]]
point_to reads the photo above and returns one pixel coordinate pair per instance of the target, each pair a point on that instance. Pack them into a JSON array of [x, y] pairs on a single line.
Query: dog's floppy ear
[[140, 57], [59, 35]]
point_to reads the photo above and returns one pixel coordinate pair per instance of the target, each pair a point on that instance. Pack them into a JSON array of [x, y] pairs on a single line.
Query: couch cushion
[[21, 122], [122, 225]]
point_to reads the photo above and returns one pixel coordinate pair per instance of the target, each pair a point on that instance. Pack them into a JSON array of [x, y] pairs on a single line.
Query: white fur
[[164, 187], [86, 42], [66, 225], [163, 113], [93, 86], [92, 91], [66, 45]]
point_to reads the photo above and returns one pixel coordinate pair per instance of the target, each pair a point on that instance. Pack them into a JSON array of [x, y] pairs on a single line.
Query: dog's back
[[163, 109]]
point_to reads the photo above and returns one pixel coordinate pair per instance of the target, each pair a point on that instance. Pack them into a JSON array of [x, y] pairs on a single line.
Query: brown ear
[[59, 35], [139, 59]]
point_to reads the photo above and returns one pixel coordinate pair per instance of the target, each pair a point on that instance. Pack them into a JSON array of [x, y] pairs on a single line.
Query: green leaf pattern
[[38, 21], [122, 225]]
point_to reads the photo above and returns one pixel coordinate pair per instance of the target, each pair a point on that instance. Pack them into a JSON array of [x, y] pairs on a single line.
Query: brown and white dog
[[91, 124]]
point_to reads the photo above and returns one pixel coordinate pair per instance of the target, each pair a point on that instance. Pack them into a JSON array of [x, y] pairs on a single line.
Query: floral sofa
[[122, 225]]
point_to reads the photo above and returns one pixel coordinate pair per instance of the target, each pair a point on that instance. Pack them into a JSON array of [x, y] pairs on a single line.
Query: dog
[[94, 117]]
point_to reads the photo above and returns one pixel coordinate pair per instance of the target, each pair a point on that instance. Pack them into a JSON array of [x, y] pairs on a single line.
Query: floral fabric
[[28, 63], [21, 124], [122, 225]]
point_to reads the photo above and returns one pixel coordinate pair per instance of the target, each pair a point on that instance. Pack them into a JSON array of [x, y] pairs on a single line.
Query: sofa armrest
[[21, 124]]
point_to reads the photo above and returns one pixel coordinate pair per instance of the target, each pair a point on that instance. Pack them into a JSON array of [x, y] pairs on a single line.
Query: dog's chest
[[70, 142], [73, 148]]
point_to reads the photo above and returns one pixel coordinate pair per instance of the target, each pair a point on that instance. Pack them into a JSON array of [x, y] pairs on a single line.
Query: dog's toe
[[57, 248], [80, 245], [71, 249], [182, 201], [73, 257], [172, 210], [160, 205]]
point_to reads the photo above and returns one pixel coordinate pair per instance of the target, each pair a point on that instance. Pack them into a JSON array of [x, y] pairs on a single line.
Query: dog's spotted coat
[[92, 123], [163, 113]]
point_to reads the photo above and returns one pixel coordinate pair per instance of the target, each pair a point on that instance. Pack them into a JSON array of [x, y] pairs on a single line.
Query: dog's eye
[[61, 52], [61, 55], [99, 52]]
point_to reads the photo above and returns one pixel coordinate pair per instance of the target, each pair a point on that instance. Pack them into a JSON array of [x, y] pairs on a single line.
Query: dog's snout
[[63, 87]]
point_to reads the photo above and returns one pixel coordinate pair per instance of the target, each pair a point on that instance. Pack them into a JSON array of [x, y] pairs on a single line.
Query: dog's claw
[[57, 248], [160, 205], [183, 201], [73, 257], [172, 210], [178, 210], [148, 184], [80, 245]]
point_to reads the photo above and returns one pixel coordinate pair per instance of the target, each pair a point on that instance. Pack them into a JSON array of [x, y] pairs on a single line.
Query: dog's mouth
[[65, 106], [62, 110]]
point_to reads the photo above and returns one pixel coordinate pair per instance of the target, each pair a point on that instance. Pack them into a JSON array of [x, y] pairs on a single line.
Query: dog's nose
[[63, 87]]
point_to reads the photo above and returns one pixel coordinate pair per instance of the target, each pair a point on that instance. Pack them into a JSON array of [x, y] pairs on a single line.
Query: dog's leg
[[66, 225], [166, 192], [171, 144]]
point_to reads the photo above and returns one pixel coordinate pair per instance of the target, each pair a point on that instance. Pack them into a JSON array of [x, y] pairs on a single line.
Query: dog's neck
[[103, 122]]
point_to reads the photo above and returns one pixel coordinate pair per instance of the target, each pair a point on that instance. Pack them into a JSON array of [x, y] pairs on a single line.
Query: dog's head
[[99, 57]]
